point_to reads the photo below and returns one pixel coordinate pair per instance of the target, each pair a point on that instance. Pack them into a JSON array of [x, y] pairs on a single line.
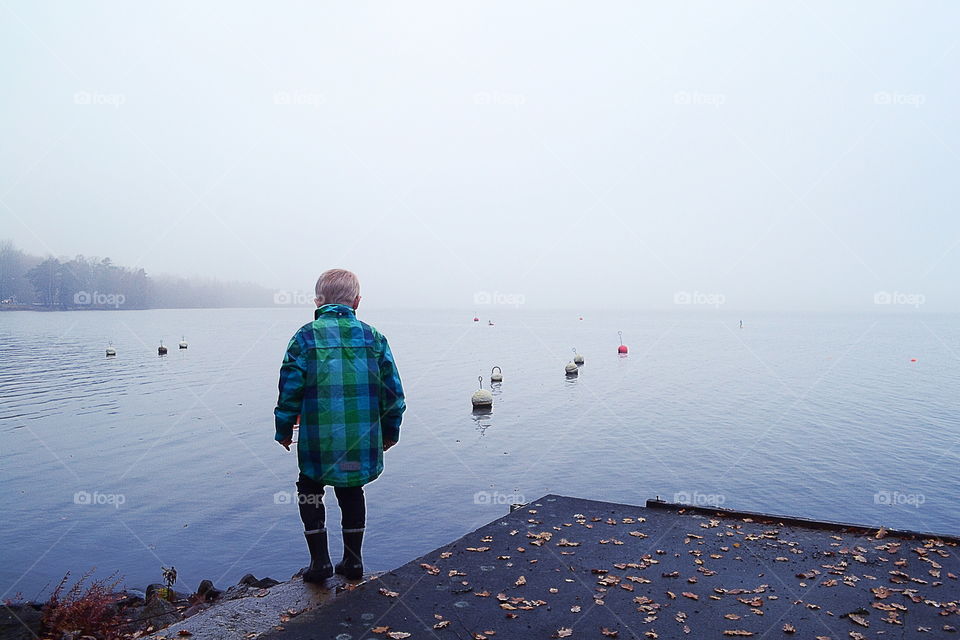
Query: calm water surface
[[139, 461]]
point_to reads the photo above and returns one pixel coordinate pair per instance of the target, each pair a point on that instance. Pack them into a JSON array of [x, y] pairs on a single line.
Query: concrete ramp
[[565, 567]]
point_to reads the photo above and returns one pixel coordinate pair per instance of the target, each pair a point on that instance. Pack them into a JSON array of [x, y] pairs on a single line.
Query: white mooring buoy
[[482, 399], [496, 375], [577, 358], [572, 369], [111, 351], [183, 342], [161, 350]]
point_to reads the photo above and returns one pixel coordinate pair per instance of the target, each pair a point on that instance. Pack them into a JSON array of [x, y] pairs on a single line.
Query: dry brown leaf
[[860, 620]]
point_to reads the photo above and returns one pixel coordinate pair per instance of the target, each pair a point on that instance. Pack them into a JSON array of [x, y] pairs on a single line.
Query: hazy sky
[[797, 155]]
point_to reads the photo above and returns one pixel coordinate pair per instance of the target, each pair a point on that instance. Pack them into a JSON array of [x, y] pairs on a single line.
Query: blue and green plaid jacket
[[338, 375]]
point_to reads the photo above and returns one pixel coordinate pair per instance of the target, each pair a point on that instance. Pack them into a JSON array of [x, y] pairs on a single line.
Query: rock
[[157, 613], [20, 622], [130, 598], [207, 591], [154, 590], [265, 583], [251, 581]]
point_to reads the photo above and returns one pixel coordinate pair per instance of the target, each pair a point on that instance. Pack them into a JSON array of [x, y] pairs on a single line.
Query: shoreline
[[251, 606]]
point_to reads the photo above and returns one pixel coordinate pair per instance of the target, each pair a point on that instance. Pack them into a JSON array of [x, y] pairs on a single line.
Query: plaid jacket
[[338, 375]]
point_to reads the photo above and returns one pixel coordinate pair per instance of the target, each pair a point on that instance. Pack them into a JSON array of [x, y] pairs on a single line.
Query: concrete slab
[[567, 567], [262, 611]]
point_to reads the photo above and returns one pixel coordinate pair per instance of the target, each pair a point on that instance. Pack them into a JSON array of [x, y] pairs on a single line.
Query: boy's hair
[[337, 286]]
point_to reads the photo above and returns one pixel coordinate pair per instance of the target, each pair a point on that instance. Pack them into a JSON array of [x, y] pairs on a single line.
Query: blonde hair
[[337, 286]]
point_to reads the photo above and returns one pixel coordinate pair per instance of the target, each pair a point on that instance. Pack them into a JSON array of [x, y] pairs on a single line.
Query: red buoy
[[476, 319], [913, 359], [622, 349]]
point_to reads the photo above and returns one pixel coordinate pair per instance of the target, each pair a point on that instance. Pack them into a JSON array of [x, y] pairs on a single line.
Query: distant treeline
[[28, 281]]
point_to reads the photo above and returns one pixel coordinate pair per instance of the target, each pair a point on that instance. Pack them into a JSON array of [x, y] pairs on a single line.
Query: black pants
[[353, 507]]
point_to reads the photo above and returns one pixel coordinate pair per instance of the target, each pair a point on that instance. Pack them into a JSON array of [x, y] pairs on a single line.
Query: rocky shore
[[246, 609]]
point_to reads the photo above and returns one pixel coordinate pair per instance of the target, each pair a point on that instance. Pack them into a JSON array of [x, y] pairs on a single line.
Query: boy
[[339, 377]]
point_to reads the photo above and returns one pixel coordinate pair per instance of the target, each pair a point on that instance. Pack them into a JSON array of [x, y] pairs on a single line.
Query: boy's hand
[[388, 443], [286, 443]]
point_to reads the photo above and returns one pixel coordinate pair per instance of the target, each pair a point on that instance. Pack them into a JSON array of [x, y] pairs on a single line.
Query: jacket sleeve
[[392, 403], [292, 375]]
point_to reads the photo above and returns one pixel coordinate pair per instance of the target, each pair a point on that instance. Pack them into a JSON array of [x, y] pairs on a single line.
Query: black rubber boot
[[351, 567], [320, 568]]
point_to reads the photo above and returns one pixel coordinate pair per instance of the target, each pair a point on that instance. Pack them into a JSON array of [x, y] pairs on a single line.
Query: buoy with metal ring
[[622, 349], [111, 351], [577, 358], [161, 350], [183, 342], [572, 369], [481, 399], [496, 375]]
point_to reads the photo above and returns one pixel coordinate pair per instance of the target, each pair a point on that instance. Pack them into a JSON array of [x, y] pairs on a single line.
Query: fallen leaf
[[860, 620]]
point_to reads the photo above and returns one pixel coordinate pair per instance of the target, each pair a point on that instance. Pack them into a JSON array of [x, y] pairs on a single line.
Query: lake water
[[138, 461]]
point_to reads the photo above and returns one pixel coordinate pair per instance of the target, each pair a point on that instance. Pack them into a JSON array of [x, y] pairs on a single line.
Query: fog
[[798, 156]]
